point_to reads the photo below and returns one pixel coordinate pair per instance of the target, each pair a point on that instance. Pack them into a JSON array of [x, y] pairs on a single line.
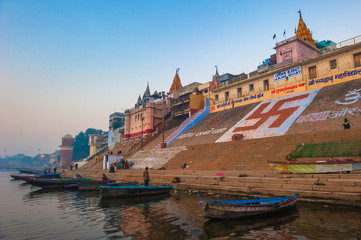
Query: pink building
[[147, 114]]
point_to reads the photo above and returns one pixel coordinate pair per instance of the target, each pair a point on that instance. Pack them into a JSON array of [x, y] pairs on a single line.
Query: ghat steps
[[154, 159], [339, 188], [185, 124], [252, 154]]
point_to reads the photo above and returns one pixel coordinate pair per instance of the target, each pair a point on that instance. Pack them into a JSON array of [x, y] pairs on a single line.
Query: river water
[[32, 213]]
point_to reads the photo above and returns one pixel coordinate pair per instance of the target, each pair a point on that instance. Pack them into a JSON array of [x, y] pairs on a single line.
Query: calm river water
[[31, 213]]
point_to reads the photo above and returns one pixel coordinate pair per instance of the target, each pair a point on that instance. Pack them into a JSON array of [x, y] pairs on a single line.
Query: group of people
[[75, 166], [48, 170]]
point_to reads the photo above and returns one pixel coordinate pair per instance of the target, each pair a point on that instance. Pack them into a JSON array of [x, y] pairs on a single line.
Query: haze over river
[[32, 213]]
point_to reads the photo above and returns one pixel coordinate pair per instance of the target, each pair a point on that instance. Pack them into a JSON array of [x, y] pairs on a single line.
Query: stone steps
[[340, 187]]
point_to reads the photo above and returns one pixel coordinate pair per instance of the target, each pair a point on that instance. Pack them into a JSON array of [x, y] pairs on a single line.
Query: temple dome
[[68, 136]]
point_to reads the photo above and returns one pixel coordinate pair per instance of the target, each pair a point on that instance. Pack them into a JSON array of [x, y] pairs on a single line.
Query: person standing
[[346, 124], [146, 177], [54, 169]]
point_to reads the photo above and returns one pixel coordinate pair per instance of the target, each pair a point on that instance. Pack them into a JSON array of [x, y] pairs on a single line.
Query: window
[[357, 59], [239, 92], [312, 72], [333, 64], [251, 88], [226, 96], [265, 85], [216, 98]]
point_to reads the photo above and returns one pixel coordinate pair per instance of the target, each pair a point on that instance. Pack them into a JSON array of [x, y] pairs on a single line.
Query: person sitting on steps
[[346, 124]]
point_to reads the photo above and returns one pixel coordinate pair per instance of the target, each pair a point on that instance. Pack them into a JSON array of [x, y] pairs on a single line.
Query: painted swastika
[[272, 117], [283, 114]]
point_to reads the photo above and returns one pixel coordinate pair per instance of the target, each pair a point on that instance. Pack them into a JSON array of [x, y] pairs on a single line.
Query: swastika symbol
[[283, 114]]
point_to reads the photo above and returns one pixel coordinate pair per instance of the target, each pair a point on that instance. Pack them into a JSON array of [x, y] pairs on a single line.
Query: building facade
[[299, 66], [116, 128], [146, 115]]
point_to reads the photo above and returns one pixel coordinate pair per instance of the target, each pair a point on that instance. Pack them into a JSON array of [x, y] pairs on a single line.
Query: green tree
[[81, 143]]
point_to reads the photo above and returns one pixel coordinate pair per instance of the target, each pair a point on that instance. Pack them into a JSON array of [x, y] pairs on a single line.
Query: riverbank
[[335, 188]]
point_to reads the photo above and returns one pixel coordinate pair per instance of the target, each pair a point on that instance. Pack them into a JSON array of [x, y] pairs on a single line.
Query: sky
[[65, 66]]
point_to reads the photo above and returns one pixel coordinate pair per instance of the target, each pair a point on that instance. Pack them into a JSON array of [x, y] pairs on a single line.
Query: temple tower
[[66, 151], [303, 32], [176, 84]]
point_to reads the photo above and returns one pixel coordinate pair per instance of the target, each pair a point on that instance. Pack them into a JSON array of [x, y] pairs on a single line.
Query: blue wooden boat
[[28, 176], [30, 171], [93, 185], [55, 183], [133, 190], [246, 208]]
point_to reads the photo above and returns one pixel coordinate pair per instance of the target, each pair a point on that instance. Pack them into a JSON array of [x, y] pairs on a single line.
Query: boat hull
[[319, 167], [133, 191], [94, 185], [218, 210], [23, 177], [55, 183]]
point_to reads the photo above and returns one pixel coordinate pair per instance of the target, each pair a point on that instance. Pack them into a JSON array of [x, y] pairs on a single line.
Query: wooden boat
[[246, 208], [93, 185], [21, 177], [331, 166], [30, 171], [28, 176], [133, 190], [56, 183]]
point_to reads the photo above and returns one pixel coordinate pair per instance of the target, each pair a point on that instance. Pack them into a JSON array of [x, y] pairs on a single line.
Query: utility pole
[[141, 143], [163, 145]]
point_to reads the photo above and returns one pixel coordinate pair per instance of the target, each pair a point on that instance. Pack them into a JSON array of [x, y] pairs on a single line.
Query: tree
[[81, 143]]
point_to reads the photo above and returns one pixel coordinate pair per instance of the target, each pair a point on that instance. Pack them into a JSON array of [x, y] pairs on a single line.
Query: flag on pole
[[284, 32], [274, 36]]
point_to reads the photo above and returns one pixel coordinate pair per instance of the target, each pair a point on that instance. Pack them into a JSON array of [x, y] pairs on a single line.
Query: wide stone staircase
[[154, 159], [252, 154], [335, 188], [181, 128]]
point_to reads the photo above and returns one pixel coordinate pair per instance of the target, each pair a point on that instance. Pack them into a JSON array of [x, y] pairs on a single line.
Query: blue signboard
[[287, 74]]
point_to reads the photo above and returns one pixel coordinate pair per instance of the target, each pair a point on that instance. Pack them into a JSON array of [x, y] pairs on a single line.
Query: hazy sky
[[66, 65]]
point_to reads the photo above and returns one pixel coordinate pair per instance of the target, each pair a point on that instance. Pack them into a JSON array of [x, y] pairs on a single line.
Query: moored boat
[[330, 166], [246, 208], [93, 185], [30, 171], [133, 190], [28, 176], [56, 183]]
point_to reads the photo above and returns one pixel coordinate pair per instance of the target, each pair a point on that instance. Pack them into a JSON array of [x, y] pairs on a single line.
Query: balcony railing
[[342, 44]]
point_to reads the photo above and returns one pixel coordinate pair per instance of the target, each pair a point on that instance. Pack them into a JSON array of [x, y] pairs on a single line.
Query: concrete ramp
[[154, 159]]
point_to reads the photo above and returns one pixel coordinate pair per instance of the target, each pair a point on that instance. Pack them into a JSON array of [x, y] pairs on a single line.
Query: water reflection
[[140, 218], [30, 213], [249, 228], [119, 202]]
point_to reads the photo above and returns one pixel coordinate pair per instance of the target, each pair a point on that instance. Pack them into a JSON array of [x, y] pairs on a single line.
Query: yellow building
[[299, 66]]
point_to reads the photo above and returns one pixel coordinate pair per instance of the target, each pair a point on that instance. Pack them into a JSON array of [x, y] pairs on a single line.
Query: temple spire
[[147, 91], [303, 32], [176, 84]]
